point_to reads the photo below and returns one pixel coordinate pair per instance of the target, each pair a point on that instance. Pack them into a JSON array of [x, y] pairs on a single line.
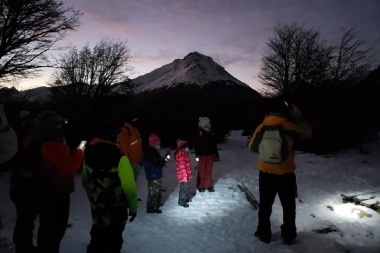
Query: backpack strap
[[127, 128]]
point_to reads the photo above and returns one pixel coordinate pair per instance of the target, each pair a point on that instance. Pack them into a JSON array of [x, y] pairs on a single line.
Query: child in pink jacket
[[184, 173]]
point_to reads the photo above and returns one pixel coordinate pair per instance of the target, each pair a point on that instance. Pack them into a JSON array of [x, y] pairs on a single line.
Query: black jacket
[[204, 144]]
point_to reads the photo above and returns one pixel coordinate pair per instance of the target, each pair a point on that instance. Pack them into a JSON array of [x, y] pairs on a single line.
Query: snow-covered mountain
[[177, 94], [194, 68]]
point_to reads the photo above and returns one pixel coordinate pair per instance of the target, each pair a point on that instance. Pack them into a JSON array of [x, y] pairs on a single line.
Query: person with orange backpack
[[130, 144]]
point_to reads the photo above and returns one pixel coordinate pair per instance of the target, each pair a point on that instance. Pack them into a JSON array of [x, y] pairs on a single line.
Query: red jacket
[[183, 166], [59, 165]]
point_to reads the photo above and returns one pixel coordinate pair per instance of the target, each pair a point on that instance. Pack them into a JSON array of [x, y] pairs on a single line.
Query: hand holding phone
[[82, 144]]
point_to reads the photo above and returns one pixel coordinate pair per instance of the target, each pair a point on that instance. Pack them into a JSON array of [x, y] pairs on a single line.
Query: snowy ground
[[224, 221]]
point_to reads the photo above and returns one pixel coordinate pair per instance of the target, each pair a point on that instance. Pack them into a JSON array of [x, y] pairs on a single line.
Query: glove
[[197, 159], [133, 216]]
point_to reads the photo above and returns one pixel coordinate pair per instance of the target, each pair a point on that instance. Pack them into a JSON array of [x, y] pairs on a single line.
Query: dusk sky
[[232, 32]]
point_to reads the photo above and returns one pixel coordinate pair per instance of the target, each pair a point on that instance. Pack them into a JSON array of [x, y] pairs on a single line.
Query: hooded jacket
[[183, 166]]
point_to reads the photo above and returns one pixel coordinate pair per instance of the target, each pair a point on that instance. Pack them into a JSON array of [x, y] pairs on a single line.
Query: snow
[[194, 68], [224, 221]]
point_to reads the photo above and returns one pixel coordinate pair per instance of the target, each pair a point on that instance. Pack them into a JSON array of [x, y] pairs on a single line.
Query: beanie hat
[[154, 140], [50, 120], [49, 125], [182, 144], [204, 123]]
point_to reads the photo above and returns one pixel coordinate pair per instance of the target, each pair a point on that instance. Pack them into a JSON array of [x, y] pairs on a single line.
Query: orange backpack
[[130, 143]]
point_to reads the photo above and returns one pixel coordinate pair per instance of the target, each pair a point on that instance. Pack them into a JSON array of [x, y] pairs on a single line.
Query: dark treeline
[[342, 116]]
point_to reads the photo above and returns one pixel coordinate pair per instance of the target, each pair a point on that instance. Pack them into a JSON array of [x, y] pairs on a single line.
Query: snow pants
[[205, 165], [136, 170], [106, 239], [154, 195], [285, 186], [183, 193]]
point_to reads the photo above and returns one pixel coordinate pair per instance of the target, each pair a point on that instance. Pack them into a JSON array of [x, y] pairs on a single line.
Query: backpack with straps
[[271, 144]]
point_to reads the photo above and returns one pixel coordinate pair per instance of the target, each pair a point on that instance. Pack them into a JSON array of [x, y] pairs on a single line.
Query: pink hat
[[181, 144], [154, 140]]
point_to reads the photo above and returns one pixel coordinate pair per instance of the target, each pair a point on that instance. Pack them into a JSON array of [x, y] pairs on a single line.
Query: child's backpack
[[108, 202], [271, 144]]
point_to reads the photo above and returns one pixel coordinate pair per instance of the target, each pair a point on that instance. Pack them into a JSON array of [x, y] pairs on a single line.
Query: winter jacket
[[48, 165], [292, 133], [109, 182], [183, 166], [130, 143], [58, 166], [204, 144], [153, 163]]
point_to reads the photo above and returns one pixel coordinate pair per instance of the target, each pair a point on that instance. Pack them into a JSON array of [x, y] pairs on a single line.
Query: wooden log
[[252, 200]]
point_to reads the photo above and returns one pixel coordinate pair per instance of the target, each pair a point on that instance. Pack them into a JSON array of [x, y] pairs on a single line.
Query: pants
[[106, 239], [183, 193], [154, 195], [54, 215], [25, 202], [136, 170], [285, 186], [205, 164]]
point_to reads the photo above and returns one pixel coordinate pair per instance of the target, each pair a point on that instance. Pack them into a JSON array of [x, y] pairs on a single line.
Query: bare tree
[[296, 56], [91, 73], [28, 29], [350, 59]]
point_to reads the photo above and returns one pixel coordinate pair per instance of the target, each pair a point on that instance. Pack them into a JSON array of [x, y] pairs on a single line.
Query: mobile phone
[[81, 145]]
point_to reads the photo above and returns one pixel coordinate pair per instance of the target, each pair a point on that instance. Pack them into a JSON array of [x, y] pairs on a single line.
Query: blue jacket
[[153, 163]]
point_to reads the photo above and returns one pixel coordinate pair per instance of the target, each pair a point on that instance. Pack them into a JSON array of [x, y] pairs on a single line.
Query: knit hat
[[182, 144], [154, 140], [204, 123], [50, 120]]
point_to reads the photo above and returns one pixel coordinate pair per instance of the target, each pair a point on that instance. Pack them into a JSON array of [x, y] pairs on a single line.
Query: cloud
[[233, 33]]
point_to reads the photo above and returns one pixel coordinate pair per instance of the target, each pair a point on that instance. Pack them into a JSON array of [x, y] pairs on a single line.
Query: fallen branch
[[366, 200], [252, 200]]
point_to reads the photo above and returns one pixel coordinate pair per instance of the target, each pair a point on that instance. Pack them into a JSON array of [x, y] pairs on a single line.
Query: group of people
[[42, 178], [43, 169]]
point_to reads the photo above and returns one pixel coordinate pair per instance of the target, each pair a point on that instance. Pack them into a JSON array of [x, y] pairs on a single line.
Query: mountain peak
[[195, 56], [194, 68]]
